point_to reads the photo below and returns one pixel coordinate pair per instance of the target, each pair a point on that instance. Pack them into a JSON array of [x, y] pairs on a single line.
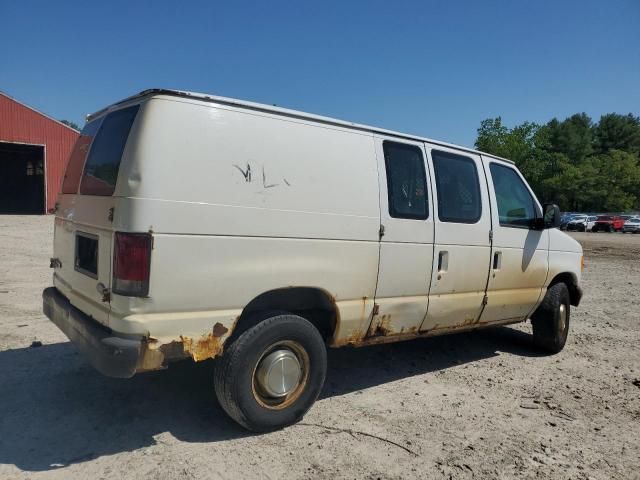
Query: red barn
[[34, 149]]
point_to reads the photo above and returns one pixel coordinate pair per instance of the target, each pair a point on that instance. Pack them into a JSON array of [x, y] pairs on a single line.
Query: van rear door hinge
[[491, 235], [485, 300], [381, 231]]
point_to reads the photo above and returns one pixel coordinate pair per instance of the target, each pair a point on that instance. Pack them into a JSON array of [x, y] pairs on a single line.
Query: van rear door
[[83, 235]]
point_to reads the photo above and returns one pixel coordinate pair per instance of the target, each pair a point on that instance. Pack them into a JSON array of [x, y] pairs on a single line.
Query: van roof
[[288, 113]]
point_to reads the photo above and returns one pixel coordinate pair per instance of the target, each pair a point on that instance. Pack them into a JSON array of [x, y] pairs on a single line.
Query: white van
[[195, 226]]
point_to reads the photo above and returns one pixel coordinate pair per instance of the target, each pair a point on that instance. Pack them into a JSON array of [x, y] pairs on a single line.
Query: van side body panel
[[565, 255], [241, 203]]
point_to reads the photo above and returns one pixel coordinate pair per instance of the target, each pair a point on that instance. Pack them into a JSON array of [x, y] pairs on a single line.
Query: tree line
[[580, 165]]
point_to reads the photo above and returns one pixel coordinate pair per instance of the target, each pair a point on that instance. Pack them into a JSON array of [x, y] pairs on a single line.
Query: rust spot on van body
[[219, 330], [207, 346], [157, 355], [470, 320], [382, 328], [357, 334], [353, 339]]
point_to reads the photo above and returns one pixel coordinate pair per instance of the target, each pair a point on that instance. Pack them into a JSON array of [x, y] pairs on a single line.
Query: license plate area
[[86, 256]]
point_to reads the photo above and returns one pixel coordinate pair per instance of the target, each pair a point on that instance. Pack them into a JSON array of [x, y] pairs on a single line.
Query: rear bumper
[[110, 354]]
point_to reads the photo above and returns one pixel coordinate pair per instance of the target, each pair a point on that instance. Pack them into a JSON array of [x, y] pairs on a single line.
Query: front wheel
[[272, 373], [551, 319]]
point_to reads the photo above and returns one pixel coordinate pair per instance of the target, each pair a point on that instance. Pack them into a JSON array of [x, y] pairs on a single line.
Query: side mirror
[[551, 215]]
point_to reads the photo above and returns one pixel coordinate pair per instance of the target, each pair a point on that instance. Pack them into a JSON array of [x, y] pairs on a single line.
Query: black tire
[[235, 373], [549, 333]]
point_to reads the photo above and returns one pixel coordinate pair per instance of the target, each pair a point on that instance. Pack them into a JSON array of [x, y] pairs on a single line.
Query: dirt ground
[[477, 405]]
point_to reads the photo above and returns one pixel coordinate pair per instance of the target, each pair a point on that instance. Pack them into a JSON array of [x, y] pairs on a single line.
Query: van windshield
[[101, 169]]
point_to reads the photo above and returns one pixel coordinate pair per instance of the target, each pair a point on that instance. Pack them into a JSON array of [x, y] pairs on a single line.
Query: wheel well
[[313, 304], [570, 280]]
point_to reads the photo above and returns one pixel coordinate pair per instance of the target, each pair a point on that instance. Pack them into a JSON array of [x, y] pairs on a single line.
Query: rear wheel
[[551, 319], [272, 373]]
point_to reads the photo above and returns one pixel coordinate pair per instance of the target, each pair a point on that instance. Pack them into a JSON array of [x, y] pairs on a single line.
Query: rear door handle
[[443, 261], [497, 260]]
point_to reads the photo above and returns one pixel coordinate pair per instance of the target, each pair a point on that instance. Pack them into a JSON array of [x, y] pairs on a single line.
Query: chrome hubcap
[[562, 321], [279, 373]]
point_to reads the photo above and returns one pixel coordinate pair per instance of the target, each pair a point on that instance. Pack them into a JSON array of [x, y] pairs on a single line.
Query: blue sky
[[434, 68]]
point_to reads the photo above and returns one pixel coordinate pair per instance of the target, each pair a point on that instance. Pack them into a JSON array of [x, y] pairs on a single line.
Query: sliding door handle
[[497, 260], [443, 261]]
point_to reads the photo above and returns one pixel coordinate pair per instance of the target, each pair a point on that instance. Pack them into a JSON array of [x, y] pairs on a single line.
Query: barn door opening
[[22, 184]]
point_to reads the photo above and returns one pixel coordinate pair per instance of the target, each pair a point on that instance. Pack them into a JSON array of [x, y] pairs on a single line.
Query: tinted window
[[406, 181], [516, 206], [458, 188], [103, 163], [73, 172]]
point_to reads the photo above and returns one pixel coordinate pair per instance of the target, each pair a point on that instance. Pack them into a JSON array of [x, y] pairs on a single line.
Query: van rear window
[[101, 169], [73, 173]]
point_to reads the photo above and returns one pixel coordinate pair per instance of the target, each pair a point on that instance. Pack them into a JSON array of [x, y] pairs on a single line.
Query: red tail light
[[131, 264]]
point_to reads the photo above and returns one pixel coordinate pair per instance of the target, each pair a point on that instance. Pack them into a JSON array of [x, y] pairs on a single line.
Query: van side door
[[406, 240], [520, 256], [462, 249]]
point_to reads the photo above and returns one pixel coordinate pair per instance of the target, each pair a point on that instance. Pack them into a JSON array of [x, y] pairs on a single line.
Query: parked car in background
[[575, 222], [608, 223], [565, 219], [591, 221], [582, 223], [632, 225]]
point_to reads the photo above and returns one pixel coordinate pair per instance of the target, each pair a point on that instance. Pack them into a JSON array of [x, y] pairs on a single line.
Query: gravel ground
[[477, 405]]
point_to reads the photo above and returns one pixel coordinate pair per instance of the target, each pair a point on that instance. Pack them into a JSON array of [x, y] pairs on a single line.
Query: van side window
[[458, 188], [516, 206], [406, 181], [101, 169]]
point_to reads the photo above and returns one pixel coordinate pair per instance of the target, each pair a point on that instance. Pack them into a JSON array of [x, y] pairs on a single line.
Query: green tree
[[520, 144], [579, 165], [572, 137], [491, 137], [618, 132]]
